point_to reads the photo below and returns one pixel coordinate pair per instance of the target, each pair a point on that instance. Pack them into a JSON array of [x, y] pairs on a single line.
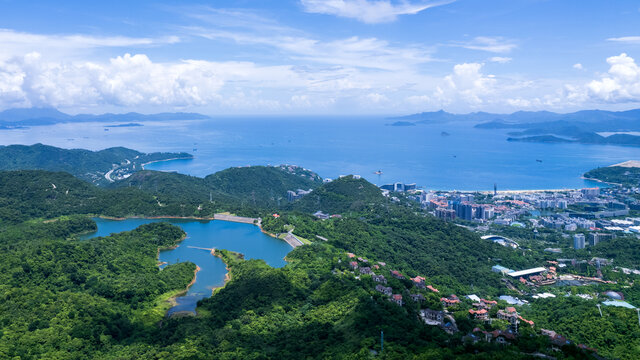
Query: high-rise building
[[595, 238], [467, 211], [578, 241], [590, 192], [561, 204], [445, 214]]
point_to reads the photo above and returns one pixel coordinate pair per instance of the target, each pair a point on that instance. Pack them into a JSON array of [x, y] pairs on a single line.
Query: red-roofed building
[[432, 288], [488, 303], [419, 282], [351, 255], [276, 216], [450, 301], [525, 320], [354, 264], [509, 314], [481, 314], [397, 298], [396, 274]]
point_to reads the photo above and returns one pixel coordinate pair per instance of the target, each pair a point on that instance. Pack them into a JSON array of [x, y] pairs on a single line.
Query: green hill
[[255, 186], [628, 176], [87, 165], [339, 196], [262, 185], [28, 194]]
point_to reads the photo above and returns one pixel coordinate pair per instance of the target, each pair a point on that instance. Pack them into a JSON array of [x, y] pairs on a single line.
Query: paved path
[[240, 219], [293, 240]]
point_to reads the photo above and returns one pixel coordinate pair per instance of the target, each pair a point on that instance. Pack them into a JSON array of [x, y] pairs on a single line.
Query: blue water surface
[[243, 238], [468, 159]]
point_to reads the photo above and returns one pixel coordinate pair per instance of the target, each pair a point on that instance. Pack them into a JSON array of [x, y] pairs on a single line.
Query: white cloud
[[578, 66], [354, 51], [500, 59], [467, 83], [15, 43], [621, 83], [133, 80], [626, 39], [490, 44], [369, 11]]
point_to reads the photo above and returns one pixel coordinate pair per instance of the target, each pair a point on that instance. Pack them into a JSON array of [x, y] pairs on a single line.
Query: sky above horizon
[[320, 56]]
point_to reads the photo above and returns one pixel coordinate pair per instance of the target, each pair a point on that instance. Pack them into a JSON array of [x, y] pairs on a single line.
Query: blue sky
[[320, 56]]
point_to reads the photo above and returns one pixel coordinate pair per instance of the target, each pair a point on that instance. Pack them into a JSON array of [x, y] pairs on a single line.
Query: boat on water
[[538, 160]]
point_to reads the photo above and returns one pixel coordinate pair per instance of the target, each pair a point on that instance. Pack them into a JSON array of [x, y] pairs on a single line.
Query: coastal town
[[564, 221]]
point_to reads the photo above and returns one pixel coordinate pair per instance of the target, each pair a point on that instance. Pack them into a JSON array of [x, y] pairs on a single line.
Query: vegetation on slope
[[340, 196], [238, 189], [87, 165], [70, 299], [626, 176]]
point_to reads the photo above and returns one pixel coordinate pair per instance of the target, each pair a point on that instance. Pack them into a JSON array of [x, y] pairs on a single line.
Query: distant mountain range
[[524, 119], [549, 127], [48, 116]]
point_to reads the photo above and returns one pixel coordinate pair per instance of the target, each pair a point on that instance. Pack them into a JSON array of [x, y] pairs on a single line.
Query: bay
[[467, 159]]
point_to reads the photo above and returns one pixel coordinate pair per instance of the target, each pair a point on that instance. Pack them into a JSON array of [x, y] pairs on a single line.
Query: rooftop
[[527, 272]]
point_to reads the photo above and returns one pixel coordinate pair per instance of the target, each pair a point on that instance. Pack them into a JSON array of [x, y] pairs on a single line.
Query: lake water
[[243, 238], [468, 159]]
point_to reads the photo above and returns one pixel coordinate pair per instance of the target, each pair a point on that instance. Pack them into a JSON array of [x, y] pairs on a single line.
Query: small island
[[403, 123], [123, 125]]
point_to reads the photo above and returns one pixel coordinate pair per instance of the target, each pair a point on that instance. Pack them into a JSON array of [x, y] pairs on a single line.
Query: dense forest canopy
[[105, 298], [87, 165]]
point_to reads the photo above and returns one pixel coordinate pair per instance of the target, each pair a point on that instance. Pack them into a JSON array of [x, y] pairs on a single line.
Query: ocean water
[[467, 159], [243, 238]]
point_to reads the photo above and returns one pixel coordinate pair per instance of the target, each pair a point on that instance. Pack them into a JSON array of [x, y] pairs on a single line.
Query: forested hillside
[[73, 299], [339, 196], [627, 176], [255, 187], [87, 165], [105, 298]]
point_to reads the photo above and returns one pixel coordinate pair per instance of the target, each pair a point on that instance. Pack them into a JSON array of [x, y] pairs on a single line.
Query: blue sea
[[467, 159]]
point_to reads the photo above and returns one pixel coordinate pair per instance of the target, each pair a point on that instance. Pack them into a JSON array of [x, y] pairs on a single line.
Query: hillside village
[[494, 320]]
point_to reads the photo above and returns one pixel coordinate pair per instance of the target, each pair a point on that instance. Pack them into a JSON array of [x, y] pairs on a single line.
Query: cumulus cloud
[[578, 66], [467, 83], [369, 11], [129, 80], [620, 84]]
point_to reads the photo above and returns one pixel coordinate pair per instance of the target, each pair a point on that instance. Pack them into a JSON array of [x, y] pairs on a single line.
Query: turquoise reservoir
[[243, 238]]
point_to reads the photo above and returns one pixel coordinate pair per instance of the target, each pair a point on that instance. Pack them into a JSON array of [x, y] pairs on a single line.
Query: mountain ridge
[[49, 116]]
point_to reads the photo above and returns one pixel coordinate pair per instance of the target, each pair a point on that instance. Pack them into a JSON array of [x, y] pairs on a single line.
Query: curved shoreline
[[227, 276], [156, 161], [172, 300], [600, 181], [256, 222]]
